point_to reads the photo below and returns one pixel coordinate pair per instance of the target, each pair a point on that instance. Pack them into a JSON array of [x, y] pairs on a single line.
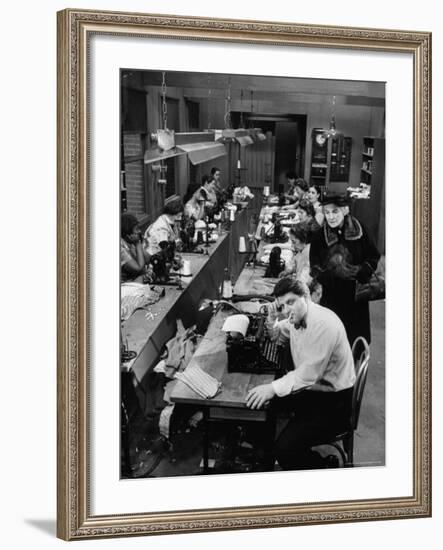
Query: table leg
[[270, 430], [205, 440]]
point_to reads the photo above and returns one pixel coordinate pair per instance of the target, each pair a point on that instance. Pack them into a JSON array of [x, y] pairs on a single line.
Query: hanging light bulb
[[332, 132], [256, 133]]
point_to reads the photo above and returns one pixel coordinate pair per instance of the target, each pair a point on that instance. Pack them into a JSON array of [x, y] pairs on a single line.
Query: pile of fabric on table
[[137, 296]]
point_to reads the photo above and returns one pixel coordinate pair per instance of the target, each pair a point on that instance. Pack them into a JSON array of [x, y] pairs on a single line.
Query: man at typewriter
[[318, 391]]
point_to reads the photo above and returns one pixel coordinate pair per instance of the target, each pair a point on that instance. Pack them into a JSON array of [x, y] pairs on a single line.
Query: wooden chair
[[344, 442]]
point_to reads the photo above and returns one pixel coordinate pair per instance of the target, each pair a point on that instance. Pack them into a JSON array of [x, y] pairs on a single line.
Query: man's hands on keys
[[259, 395]]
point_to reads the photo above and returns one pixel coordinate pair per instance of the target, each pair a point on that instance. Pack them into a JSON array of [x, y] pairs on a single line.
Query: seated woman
[[341, 254], [290, 192], [313, 196], [218, 187], [297, 188], [194, 207], [299, 236], [133, 259], [208, 194], [306, 214], [164, 229]]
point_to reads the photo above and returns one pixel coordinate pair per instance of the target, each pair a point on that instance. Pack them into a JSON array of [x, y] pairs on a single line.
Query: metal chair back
[[361, 354]]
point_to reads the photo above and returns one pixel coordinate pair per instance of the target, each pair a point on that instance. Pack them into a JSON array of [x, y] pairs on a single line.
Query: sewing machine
[[276, 234], [187, 234], [162, 262], [276, 264]]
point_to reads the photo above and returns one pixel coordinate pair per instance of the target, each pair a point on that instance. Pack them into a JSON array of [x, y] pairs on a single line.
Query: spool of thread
[[199, 237], [186, 268], [232, 216], [242, 244], [266, 190]]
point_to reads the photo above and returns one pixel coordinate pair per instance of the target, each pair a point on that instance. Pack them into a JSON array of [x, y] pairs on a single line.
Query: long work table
[[146, 332]]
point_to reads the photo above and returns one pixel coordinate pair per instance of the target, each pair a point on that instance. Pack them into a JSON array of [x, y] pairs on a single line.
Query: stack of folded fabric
[[200, 381]]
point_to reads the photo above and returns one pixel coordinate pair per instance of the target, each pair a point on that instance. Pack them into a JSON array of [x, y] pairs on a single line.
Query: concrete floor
[[369, 440], [150, 456]]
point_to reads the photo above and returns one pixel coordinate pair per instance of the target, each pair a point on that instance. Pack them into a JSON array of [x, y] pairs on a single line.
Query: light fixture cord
[[242, 123], [209, 102], [228, 122], [164, 104]]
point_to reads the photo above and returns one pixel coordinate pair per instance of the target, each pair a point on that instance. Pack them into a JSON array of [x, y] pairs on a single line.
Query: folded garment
[[136, 296], [200, 381]]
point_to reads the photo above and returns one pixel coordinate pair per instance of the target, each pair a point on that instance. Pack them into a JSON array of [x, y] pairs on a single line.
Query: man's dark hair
[[214, 170], [290, 175], [289, 284], [128, 222]]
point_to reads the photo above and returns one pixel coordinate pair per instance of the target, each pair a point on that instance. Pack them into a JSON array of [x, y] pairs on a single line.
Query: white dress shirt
[[320, 351]]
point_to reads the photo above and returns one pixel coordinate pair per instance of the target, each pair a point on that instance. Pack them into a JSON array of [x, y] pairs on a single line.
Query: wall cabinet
[[330, 158]]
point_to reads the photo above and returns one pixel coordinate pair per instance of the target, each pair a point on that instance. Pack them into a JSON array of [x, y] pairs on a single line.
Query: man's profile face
[[294, 307]]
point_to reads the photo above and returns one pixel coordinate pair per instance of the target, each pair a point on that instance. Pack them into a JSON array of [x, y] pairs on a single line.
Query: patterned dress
[[161, 230]]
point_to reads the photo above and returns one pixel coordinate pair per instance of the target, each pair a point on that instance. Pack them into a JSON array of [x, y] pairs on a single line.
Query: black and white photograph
[[252, 273]]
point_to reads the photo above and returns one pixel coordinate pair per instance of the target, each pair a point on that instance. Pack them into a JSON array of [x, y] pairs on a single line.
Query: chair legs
[[341, 451], [348, 445], [345, 447]]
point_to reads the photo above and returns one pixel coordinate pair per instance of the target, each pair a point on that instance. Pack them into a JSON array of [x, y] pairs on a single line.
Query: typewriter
[[255, 353]]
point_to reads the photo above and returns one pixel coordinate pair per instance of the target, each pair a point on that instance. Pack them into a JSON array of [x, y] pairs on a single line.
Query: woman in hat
[[341, 254], [164, 229]]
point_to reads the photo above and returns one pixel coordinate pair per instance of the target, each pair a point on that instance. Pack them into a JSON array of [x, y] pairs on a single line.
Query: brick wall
[[135, 187]]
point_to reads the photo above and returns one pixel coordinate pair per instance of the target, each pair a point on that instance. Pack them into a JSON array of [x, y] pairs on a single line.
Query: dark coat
[[338, 259]]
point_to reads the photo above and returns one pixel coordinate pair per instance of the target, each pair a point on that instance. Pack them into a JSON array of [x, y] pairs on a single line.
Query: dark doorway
[[290, 144]]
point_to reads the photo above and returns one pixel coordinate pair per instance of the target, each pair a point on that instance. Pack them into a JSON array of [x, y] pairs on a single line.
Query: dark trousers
[[315, 417]]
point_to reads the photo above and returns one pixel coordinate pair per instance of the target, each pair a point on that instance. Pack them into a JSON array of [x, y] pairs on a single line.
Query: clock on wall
[[320, 139]]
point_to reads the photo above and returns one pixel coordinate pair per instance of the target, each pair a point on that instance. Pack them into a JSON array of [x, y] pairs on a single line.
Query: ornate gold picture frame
[[75, 31]]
